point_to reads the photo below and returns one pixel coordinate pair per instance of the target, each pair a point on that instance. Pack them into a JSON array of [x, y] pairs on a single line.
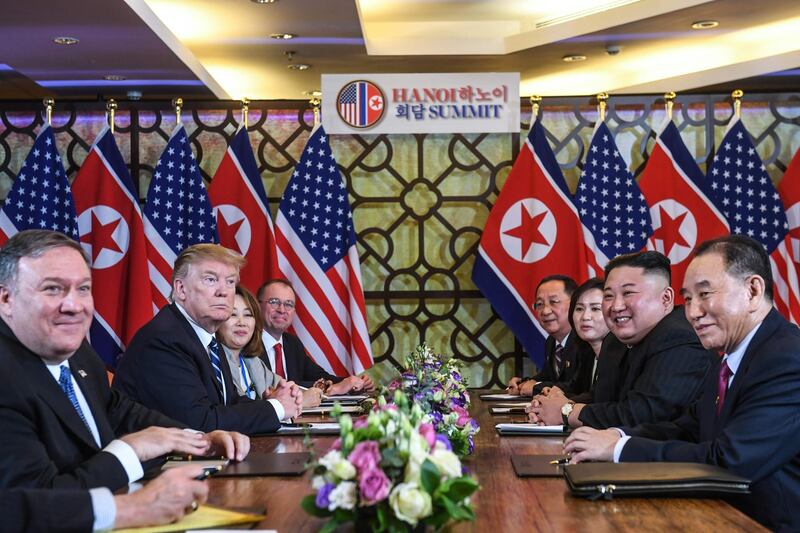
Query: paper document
[[533, 429], [205, 517], [500, 396]]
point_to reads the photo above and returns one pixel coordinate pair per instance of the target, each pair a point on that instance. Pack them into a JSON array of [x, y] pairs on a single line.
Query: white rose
[[417, 446], [317, 482], [343, 496], [447, 462], [409, 503], [344, 469], [330, 459], [412, 471]]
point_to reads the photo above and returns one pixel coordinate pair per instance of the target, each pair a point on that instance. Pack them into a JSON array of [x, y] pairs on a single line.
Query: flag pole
[[669, 99], [536, 100], [602, 98], [737, 102], [111, 108], [245, 109], [315, 102], [177, 103], [49, 103]]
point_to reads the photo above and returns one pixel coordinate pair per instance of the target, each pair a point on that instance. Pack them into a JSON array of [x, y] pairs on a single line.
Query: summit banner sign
[[421, 103]]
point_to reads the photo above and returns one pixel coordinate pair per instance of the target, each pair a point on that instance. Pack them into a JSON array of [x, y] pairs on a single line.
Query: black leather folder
[[537, 465], [268, 464]]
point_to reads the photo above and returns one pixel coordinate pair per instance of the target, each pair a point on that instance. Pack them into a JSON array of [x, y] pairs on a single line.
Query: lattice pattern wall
[[419, 201]]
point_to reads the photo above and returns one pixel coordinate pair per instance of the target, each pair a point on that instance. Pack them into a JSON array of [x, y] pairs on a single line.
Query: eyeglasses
[[275, 303]]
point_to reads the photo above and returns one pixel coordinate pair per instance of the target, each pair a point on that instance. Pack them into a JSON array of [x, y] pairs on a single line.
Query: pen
[[196, 458], [562, 461]]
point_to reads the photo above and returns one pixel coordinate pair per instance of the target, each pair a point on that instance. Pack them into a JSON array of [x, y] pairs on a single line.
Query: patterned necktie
[[722, 385], [213, 353], [279, 360], [65, 380], [559, 351]]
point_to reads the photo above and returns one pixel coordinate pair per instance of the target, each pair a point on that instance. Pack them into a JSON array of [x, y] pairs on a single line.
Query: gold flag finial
[[111, 108], [49, 103], [316, 102], [737, 96], [177, 103], [669, 98], [245, 109], [602, 99], [536, 101]]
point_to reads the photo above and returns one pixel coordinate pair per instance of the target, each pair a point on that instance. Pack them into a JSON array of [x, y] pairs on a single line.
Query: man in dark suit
[[562, 354], [163, 500], [60, 423], [175, 365], [661, 361], [285, 353], [746, 418]]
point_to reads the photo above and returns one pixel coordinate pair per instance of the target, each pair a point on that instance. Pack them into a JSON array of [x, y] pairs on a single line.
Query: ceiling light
[[573, 58], [284, 36], [298, 66], [114, 77], [65, 40], [263, 1], [312, 94], [704, 24]]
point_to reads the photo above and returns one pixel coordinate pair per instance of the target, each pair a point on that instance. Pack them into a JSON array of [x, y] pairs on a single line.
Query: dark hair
[[569, 283], [651, 261], [586, 286], [254, 346], [280, 281], [32, 243], [743, 256]]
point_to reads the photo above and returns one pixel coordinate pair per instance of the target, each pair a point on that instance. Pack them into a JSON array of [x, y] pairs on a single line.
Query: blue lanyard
[[251, 393]]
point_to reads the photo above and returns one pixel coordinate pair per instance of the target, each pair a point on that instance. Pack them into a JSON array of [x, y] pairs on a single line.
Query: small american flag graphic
[[361, 104]]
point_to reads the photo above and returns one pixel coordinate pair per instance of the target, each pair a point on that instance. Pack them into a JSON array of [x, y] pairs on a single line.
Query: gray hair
[[32, 243]]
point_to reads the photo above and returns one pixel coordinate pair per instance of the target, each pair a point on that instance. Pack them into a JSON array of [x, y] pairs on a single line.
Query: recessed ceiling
[[224, 48]]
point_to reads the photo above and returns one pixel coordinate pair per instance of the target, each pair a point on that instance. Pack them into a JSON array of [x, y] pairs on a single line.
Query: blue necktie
[[65, 380], [213, 352]]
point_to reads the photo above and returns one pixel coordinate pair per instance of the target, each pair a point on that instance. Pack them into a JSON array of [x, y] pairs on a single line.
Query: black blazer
[[43, 442], [54, 511], [757, 434], [657, 379], [560, 375], [166, 367], [300, 368]]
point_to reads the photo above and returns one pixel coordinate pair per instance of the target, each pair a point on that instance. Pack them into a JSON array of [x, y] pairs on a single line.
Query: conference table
[[504, 501]]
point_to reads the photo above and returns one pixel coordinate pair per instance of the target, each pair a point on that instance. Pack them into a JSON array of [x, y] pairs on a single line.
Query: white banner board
[[486, 102]]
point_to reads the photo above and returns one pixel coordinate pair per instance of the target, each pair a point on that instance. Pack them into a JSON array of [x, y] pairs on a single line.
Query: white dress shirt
[[269, 343]]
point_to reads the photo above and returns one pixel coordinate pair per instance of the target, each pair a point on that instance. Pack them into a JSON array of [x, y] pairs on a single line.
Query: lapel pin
[[567, 364], [82, 373]]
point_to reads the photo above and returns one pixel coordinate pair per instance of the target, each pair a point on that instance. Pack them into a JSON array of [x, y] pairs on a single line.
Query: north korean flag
[[112, 233], [242, 213], [532, 231], [680, 201], [789, 189]]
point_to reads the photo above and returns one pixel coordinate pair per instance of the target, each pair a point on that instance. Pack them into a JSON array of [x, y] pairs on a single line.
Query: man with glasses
[[174, 364], [286, 355]]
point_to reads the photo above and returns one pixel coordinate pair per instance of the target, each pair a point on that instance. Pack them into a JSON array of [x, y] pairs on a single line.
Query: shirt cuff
[[104, 509], [278, 409], [127, 457], [619, 445]]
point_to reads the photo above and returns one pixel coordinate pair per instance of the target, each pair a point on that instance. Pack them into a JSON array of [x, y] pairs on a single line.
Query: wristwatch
[[566, 409]]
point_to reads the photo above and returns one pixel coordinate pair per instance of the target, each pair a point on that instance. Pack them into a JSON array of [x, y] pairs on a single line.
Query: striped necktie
[[65, 380], [213, 353]]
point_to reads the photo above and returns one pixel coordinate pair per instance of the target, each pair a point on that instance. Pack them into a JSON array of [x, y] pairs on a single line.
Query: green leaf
[[461, 488], [455, 511], [309, 505], [390, 457], [438, 518], [429, 476], [343, 515], [330, 527]]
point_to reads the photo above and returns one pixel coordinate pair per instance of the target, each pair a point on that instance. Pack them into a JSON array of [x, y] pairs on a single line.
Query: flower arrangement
[[390, 471], [434, 381]]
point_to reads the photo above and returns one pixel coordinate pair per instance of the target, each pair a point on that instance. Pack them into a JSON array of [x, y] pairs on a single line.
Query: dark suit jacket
[[43, 442], [300, 368], [572, 356], [166, 367], [658, 377], [54, 511], [606, 376], [757, 434]]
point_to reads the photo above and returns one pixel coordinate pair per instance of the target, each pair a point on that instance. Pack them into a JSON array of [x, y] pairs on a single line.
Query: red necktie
[[279, 360], [722, 384]]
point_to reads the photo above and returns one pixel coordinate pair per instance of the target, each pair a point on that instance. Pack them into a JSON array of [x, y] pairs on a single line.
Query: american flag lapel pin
[[82, 373]]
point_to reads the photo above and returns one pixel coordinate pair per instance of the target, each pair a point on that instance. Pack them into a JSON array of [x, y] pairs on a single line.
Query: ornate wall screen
[[419, 201]]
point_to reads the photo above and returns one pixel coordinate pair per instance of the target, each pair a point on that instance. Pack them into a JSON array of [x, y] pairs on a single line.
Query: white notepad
[[529, 429], [328, 408], [500, 396], [319, 428]]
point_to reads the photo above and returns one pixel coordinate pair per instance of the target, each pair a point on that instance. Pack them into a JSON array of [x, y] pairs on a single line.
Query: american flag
[[177, 213], [748, 199], [610, 204], [40, 197], [317, 252]]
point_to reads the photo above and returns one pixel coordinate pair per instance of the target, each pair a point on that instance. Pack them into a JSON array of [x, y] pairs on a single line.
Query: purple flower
[[463, 415], [360, 422], [444, 440], [322, 501], [337, 444], [374, 486], [365, 456], [427, 431]]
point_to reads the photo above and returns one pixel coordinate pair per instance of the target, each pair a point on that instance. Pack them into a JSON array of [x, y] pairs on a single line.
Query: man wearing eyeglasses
[[174, 364], [286, 355]]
